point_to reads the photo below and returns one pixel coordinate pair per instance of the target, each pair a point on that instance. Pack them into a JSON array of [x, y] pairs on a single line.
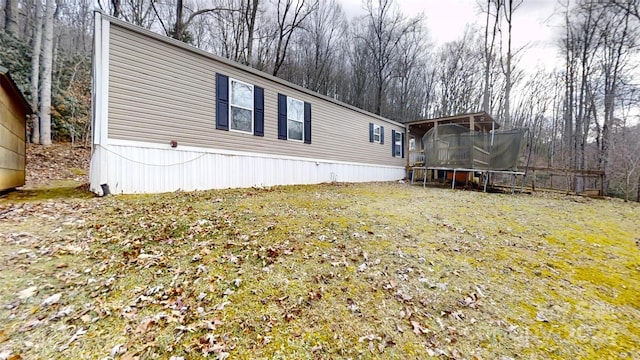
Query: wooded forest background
[[581, 115]]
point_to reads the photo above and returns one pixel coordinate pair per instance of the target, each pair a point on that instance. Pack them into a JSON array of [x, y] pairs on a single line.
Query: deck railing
[[416, 157]]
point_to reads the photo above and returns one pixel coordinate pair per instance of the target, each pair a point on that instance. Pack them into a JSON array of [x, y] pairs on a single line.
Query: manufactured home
[[14, 110], [168, 116]]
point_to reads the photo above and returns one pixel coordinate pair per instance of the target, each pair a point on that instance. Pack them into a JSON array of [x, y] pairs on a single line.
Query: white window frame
[[397, 144], [240, 107], [376, 128], [296, 120]]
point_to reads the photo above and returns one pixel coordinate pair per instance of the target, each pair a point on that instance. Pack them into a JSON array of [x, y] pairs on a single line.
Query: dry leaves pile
[[60, 161], [329, 271]]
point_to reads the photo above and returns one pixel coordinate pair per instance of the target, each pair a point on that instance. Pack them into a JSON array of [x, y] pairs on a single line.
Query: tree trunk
[[11, 17], [250, 18], [611, 68], [379, 93], [507, 87], [488, 54], [567, 136], [115, 11], [47, 71], [638, 195], [177, 32], [289, 20], [35, 74]]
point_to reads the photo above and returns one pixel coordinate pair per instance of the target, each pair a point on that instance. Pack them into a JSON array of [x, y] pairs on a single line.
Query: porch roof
[[482, 121]]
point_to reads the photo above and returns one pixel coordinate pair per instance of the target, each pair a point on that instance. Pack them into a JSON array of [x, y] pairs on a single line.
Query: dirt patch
[[60, 161]]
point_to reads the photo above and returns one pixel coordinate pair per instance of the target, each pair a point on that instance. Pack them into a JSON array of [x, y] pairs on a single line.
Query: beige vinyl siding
[[159, 91], [12, 142]]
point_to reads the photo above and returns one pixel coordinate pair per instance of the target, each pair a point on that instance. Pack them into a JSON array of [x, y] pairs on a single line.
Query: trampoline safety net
[[454, 146]]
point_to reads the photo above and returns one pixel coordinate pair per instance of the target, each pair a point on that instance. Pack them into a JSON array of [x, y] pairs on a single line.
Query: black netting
[[454, 146]]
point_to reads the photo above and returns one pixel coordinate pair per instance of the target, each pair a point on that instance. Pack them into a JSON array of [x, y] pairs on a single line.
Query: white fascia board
[[148, 145]]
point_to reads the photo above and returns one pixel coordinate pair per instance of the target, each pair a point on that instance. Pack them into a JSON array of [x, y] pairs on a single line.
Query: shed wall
[[12, 142]]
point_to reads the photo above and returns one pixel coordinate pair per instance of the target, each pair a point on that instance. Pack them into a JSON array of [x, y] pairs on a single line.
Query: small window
[[295, 119], [397, 148], [241, 106], [376, 133]]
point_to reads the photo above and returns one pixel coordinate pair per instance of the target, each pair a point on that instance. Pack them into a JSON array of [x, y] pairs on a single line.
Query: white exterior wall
[[131, 167]]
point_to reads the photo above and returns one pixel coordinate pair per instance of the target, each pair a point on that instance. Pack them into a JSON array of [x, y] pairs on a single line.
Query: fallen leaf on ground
[[53, 299], [541, 317], [27, 293]]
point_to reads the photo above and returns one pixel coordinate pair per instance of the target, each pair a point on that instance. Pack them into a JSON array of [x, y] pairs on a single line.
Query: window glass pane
[[241, 94], [295, 109], [241, 119], [376, 133], [295, 129]]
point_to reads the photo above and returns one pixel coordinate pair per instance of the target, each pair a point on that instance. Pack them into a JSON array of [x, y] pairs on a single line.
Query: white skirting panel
[[131, 169]]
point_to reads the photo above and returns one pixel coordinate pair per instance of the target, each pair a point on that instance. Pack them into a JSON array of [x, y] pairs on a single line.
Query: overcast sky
[[535, 23]]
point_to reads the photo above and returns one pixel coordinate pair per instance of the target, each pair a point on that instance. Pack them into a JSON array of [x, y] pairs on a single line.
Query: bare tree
[[509, 8], [35, 73], [115, 6], [632, 7], [617, 39], [290, 14], [459, 65], [233, 31], [386, 27], [319, 47], [47, 71], [11, 17], [490, 32], [250, 12], [407, 83], [580, 46], [138, 12], [360, 69], [625, 160]]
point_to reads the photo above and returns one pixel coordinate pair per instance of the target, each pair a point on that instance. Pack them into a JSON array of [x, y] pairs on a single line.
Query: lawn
[[382, 270]]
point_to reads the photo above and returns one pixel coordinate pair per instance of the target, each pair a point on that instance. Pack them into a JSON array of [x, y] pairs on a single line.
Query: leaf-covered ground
[[329, 272]]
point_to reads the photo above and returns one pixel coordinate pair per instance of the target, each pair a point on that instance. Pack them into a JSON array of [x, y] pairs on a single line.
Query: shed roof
[[7, 82]]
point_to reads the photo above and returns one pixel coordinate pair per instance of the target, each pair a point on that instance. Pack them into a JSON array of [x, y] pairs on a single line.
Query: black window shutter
[[282, 117], [307, 123], [393, 143], [402, 145], [222, 102], [381, 134], [370, 132], [258, 111]]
